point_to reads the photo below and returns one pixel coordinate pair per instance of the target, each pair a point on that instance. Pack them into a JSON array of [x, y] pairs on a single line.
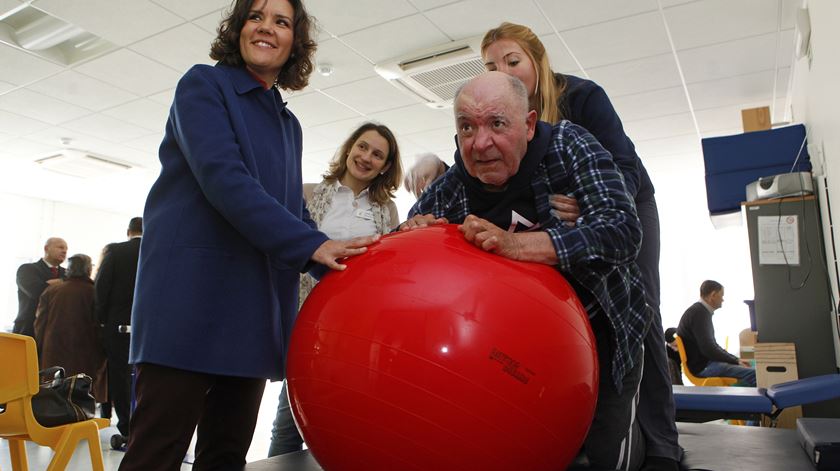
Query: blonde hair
[[549, 89], [383, 187]]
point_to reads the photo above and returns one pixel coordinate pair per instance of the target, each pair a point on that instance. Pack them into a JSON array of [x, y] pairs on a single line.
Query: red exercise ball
[[428, 353]]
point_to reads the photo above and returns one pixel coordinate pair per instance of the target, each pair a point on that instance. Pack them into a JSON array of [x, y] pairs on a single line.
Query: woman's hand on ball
[[333, 250], [421, 220]]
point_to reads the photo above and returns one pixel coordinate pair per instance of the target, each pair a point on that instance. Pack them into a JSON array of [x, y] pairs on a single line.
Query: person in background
[[427, 167], [66, 328], [506, 165], [225, 239], [354, 199], [114, 288], [33, 278], [704, 356], [674, 360], [516, 50]]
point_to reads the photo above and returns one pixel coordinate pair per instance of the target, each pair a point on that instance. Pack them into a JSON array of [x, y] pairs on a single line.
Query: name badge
[[364, 214]]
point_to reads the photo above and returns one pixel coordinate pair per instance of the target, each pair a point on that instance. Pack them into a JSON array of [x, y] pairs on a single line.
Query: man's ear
[[531, 122]]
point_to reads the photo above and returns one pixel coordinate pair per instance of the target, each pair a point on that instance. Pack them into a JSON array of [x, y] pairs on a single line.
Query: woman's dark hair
[[383, 187], [295, 72]]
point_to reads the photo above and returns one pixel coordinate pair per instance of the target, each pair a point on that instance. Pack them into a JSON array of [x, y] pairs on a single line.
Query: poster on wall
[[778, 240]]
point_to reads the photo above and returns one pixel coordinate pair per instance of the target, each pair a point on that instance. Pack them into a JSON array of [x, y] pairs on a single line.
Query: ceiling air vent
[[81, 164], [434, 75]]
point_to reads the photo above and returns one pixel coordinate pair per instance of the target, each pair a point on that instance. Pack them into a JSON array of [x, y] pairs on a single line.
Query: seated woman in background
[[354, 199]]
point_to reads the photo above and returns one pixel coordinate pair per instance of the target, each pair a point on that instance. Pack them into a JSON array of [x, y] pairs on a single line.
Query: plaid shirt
[[597, 254]]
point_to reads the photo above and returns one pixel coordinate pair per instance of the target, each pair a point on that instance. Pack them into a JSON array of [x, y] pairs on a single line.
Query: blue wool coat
[[226, 232]]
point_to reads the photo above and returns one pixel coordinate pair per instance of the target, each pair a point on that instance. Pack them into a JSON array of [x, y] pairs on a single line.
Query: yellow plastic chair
[[696, 380], [18, 383]]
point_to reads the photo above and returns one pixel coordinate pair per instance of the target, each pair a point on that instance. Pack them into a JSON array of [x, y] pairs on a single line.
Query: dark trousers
[[119, 377], [615, 440], [656, 399], [172, 402]]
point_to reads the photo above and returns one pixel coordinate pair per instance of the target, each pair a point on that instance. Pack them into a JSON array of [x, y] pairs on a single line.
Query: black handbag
[[62, 400]]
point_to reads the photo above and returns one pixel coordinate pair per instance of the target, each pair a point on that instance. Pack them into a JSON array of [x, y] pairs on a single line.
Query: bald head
[[55, 250], [505, 85], [494, 127]]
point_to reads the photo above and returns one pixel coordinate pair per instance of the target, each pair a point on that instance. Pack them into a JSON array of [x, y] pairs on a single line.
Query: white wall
[[28, 222], [816, 102]]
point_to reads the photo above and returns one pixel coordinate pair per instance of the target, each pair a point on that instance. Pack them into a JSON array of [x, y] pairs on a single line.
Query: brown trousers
[[172, 402]]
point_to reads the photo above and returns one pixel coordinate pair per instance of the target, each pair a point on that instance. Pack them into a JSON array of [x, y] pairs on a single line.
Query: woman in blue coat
[[226, 237]]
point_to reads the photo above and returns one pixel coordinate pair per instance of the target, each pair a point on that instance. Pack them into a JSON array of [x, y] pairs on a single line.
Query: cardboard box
[[756, 119]]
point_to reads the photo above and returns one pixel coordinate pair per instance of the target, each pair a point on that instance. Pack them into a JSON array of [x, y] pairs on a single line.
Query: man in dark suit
[[704, 356], [33, 279], [114, 296]]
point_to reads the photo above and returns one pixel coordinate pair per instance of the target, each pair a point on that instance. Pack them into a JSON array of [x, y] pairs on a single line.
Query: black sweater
[[698, 335]]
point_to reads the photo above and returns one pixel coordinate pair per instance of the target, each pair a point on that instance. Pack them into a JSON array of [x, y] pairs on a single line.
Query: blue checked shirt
[[597, 254]]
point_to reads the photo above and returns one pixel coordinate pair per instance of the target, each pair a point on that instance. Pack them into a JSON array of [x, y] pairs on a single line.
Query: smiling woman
[[226, 237], [354, 199]]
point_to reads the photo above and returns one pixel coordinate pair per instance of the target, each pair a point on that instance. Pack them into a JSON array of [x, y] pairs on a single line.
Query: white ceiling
[[721, 56]]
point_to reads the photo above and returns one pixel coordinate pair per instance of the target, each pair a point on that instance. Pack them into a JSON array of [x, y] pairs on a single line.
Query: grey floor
[[39, 457]]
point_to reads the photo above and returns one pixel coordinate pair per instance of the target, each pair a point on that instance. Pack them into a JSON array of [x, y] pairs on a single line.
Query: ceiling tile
[[20, 68], [147, 144], [336, 132], [82, 90], [8, 5], [120, 21], [558, 55], [5, 87], [315, 164], [106, 128], [405, 35], [620, 40], [424, 5], [415, 118], [56, 134], [145, 113], [714, 21], [484, 15], [439, 141], [642, 75], [129, 70], [210, 22], [314, 141], [27, 149], [371, 95], [738, 57], [659, 128], [193, 47], [17, 125], [748, 88], [570, 14], [313, 109], [190, 9], [338, 18], [651, 104], [347, 65], [787, 42], [41, 107], [789, 8], [782, 79], [165, 97]]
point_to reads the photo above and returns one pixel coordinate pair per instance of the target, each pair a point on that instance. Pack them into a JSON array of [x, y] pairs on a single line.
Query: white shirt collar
[[707, 306]]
